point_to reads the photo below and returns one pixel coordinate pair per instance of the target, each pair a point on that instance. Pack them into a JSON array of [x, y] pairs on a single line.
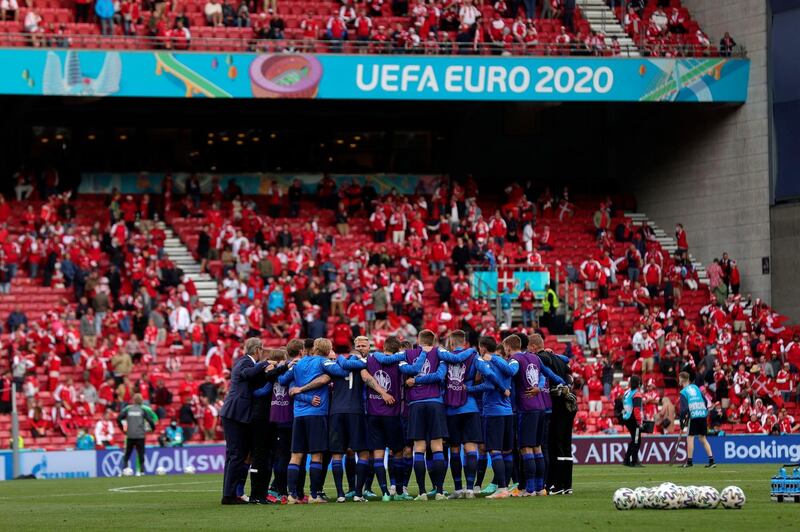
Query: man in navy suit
[[249, 373]]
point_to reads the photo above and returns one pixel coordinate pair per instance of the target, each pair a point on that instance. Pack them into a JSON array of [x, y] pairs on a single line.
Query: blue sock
[[530, 472], [439, 471], [362, 470], [338, 477], [316, 475], [301, 480], [380, 474], [419, 471], [455, 468], [429, 466], [539, 459], [471, 468], [408, 466], [392, 471], [508, 460], [370, 475], [292, 472], [499, 469], [483, 463]]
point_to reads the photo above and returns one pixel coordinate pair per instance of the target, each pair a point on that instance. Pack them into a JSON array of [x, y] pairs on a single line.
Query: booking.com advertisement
[[165, 74], [586, 450]]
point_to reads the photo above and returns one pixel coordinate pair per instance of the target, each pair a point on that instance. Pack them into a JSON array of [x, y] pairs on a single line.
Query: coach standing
[[559, 426], [237, 412]]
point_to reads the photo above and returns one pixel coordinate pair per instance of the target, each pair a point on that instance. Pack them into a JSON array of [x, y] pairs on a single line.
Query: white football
[[732, 498], [690, 493], [682, 495], [189, 470], [624, 499], [127, 472], [653, 503], [706, 498], [161, 471], [642, 495], [667, 497]]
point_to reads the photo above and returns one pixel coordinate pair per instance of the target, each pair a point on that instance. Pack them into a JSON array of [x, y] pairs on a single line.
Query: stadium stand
[[352, 27], [77, 287]]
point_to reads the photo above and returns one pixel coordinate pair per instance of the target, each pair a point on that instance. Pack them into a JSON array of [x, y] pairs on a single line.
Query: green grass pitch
[[192, 502]]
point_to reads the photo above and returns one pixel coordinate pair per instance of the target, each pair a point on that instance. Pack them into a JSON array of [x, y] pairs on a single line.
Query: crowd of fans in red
[[667, 29], [365, 263], [547, 27]]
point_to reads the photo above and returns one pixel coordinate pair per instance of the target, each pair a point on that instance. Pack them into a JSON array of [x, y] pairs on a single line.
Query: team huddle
[[381, 417]]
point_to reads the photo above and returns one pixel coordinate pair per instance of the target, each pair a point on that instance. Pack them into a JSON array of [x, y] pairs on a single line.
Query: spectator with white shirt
[[179, 320], [104, 431], [9, 9], [213, 12], [32, 25], [468, 14]]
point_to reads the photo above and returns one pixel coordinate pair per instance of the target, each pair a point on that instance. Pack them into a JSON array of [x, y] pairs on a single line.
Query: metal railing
[[253, 44]]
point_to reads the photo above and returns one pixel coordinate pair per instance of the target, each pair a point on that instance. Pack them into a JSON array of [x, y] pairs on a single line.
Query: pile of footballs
[[668, 496]]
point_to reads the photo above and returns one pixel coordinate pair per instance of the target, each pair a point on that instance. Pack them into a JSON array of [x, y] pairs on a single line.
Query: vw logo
[[111, 465]]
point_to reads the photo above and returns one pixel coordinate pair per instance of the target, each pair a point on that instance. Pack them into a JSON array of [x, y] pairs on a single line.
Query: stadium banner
[[491, 283], [174, 74], [728, 449], [255, 183], [50, 464], [204, 459], [586, 450]]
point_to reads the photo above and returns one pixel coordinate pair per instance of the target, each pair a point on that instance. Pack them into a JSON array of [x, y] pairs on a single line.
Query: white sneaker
[[440, 497], [469, 494], [316, 500], [360, 499], [421, 497], [138, 473], [459, 494], [341, 499], [405, 490], [392, 490]]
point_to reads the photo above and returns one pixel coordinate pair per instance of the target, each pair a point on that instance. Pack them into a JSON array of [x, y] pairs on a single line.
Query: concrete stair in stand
[[183, 259], [668, 243], [602, 19]]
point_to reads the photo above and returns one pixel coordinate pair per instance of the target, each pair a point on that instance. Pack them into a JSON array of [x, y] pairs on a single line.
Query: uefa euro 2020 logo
[[383, 379], [532, 375]]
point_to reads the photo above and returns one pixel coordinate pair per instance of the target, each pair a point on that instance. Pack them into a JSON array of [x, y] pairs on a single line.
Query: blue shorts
[[310, 434], [385, 432], [464, 428], [426, 421], [499, 433], [404, 424], [530, 428], [347, 431]]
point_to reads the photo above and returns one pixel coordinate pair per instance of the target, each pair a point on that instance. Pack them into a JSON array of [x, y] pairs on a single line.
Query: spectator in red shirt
[[438, 254], [754, 425], [595, 394], [336, 31], [526, 300], [342, 336]]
